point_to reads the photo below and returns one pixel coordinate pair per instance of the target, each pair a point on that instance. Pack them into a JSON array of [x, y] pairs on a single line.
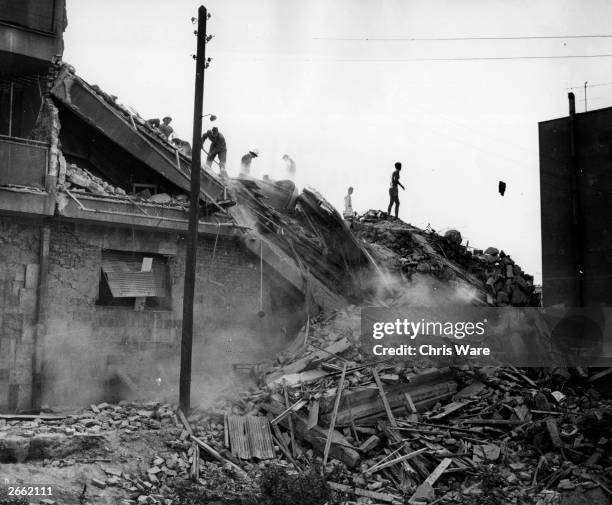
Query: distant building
[[576, 208]]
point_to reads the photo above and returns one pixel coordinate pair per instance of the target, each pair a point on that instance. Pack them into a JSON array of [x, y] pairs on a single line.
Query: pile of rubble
[[494, 273], [384, 432], [80, 180]]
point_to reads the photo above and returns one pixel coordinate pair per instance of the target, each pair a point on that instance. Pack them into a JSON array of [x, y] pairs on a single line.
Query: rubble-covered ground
[[399, 432]]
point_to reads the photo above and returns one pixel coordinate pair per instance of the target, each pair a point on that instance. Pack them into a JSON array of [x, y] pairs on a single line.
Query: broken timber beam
[[343, 488], [340, 448], [383, 397], [332, 424]]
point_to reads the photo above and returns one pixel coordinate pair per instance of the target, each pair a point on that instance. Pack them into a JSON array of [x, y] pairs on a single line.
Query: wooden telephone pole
[[194, 215]]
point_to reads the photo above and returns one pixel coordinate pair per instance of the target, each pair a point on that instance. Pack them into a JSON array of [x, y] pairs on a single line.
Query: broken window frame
[[126, 263]]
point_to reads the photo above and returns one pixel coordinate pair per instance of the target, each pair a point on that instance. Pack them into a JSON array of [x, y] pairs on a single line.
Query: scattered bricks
[[370, 444], [112, 471], [99, 483]]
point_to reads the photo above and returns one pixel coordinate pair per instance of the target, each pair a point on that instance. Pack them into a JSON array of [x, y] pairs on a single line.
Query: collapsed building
[[93, 212]]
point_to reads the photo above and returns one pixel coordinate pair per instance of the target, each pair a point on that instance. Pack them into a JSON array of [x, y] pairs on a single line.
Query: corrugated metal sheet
[[125, 279], [250, 437]]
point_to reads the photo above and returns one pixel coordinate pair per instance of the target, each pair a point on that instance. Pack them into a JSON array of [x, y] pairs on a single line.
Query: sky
[[348, 87]]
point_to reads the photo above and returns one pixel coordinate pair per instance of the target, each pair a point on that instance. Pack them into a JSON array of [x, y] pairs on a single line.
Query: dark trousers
[[222, 158], [393, 199]]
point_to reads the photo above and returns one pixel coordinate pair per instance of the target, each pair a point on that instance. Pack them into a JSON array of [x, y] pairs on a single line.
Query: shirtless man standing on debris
[[217, 148], [393, 191]]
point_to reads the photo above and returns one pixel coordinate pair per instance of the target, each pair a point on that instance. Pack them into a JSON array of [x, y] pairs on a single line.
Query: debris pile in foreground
[[375, 432], [399, 433]]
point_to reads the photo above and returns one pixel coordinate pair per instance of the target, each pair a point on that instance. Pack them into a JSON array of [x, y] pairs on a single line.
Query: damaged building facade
[[92, 220]]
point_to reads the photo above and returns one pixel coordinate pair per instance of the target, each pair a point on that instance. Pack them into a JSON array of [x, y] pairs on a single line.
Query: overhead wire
[[466, 38]]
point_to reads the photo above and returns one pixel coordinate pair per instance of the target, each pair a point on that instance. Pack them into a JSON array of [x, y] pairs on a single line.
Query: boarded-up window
[[134, 279]]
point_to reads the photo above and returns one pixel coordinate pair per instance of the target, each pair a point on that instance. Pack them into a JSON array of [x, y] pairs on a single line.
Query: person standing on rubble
[[348, 204], [245, 162], [217, 148], [289, 167], [165, 127], [393, 189]]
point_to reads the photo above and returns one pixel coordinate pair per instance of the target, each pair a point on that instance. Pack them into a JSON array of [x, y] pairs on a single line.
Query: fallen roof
[[130, 132]]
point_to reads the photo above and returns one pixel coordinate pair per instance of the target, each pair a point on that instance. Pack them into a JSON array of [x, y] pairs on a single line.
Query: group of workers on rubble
[[218, 149]]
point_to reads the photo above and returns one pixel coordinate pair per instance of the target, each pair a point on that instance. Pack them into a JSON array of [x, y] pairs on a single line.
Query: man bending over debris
[[217, 148], [393, 191], [245, 162]]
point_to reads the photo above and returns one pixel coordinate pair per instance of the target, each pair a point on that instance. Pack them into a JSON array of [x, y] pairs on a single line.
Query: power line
[[465, 58], [455, 39], [592, 85]]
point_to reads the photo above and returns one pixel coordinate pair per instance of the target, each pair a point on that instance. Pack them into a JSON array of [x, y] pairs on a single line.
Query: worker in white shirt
[[348, 205]]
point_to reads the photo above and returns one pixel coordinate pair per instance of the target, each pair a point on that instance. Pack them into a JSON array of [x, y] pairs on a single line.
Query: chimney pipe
[[572, 103]]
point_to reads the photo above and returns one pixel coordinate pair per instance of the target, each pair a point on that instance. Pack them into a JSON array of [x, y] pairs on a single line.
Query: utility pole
[[585, 101], [194, 214]]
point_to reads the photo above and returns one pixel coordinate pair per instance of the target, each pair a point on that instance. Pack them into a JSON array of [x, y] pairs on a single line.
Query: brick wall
[[81, 344], [84, 343], [19, 243]]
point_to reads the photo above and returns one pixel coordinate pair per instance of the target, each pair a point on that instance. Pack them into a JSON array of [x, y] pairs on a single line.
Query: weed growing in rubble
[[278, 487], [275, 486]]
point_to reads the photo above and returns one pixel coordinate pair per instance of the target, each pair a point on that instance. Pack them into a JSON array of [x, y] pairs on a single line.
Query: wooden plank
[[291, 433], [364, 394], [183, 420], [208, 449], [195, 465], [371, 412], [340, 449], [298, 366], [450, 409], [32, 417], [383, 397], [282, 445], [343, 488], [313, 414], [332, 424], [285, 413], [600, 375], [373, 404], [387, 464], [425, 489]]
